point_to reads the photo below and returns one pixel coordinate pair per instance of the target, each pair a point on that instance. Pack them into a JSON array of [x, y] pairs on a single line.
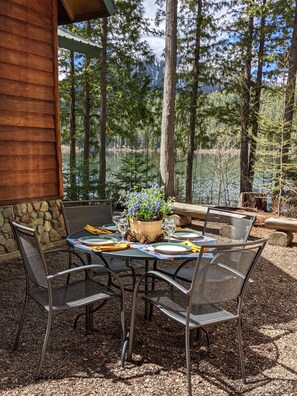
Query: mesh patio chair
[[203, 303], [53, 296], [227, 227], [94, 212]]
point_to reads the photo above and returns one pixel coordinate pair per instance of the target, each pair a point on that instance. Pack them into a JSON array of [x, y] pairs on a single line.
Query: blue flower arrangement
[[149, 204]]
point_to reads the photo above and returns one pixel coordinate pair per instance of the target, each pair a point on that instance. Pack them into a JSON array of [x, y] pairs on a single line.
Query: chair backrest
[[79, 213], [230, 225], [29, 246], [223, 271]]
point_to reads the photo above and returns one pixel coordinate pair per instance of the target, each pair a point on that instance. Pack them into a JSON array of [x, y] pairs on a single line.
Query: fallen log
[[281, 223], [190, 210]]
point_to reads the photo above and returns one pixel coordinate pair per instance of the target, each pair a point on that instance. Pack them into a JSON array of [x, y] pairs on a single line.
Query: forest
[[224, 84]]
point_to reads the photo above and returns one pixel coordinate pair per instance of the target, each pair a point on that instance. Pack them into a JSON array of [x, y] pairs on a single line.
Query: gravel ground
[[80, 364]]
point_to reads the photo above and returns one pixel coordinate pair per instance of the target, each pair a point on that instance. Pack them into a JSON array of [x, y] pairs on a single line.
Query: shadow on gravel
[[269, 307]]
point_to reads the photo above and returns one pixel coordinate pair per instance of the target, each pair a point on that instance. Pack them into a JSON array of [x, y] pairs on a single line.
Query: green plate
[[110, 227], [189, 235], [170, 248], [97, 240]]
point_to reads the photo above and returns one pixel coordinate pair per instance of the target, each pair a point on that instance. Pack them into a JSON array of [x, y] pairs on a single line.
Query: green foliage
[[147, 204], [136, 169]]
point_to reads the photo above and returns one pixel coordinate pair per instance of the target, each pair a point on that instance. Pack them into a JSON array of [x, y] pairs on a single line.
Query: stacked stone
[[7, 242], [45, 217]]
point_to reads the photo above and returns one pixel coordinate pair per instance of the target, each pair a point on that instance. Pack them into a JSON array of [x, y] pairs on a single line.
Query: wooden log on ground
[[190, 210], [281, 223]]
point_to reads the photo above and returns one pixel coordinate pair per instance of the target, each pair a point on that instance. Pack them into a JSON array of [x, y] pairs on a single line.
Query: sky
[[156, 43]]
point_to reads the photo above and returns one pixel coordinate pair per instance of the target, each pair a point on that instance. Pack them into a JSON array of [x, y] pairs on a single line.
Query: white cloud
[[156, 43]]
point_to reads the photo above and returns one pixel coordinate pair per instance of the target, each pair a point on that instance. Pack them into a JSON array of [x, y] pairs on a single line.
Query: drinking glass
[[115, 219], [169, 226], [122, 226]]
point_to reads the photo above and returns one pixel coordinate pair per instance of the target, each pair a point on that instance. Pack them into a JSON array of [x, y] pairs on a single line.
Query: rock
[[2, 240], [36, 206], [7, 212], [55, 224], [61, 221], [47, 216], [30, 208], [6, 229], [1, 220], [25, 218], [47, 225], [228, 231], [61, 231], [281, 238], [23, 208], [54, 236], [17, 210], [10, 245], [33, 215], [181, 220], [2, 249], [38, 222], [40, 215], [44, 238], [44, 207], [58, 203], [56, 212], [52, 202], [40, 229]]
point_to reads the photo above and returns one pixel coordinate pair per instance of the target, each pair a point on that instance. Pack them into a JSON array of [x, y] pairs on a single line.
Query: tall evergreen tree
[[168, 107]]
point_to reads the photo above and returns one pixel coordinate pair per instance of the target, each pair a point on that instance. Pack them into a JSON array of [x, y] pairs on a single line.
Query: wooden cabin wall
[[30, 153]]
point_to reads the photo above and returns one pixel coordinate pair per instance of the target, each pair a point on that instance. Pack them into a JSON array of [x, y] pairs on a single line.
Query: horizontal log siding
[[30, 157]]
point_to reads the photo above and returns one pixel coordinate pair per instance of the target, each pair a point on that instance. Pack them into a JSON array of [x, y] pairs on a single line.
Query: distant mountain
[[156, 73]]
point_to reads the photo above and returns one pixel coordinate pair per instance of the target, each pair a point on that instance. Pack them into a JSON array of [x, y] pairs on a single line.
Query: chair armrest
[[71, 270], [167, 279]]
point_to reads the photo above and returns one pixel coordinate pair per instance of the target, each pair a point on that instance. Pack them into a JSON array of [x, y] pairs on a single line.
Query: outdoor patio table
[[136, 252]]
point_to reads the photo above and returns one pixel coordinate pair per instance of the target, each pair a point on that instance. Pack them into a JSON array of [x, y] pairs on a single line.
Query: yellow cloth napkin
[[194, 248], [179, 229], [110, 248], [96, 230]]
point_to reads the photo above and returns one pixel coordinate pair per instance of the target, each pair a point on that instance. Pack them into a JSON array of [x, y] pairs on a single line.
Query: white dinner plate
[[190, 235], [110, 227], [170, 248], [97, 240]]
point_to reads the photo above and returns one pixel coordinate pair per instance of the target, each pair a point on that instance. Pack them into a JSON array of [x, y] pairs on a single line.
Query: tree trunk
[[193, 108], [72, 159], [103, 104], [256, 108], [167, 126], [290, 89], [86, 115], [245, 111]]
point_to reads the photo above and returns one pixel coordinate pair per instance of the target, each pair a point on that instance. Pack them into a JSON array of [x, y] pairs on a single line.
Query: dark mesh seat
[[54, 295], [96, 212], [208, 299], [227, 227]]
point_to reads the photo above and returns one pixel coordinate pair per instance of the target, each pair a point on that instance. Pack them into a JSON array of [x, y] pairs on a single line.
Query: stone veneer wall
[[45, 216]]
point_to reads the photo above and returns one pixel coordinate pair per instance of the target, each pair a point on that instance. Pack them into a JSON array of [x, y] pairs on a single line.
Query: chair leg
[[241, 355], [15, 345], [188, 360], [46, 337]]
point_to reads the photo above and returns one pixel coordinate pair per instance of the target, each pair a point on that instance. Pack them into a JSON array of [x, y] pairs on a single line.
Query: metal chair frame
[[91, 212], [242, 220], [201, 304], [39, 285]]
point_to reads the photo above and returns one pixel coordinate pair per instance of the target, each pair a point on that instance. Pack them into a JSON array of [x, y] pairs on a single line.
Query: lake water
[[215, 174]]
